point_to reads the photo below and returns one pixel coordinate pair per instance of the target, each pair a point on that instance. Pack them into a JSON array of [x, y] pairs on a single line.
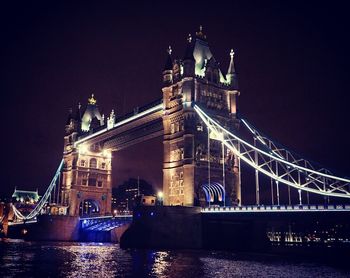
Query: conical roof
[[90, 113]]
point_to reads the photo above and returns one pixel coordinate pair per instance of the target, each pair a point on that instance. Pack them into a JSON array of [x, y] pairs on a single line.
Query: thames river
[[47, 259]]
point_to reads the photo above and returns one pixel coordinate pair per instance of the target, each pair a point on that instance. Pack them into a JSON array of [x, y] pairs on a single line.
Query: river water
[[50, 259]]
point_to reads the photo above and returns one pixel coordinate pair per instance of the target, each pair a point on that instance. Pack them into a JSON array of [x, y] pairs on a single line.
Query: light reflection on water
[[48, 259]]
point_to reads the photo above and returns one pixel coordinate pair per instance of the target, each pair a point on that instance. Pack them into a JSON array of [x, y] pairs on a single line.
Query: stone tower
[[198, 79], [86, 175]]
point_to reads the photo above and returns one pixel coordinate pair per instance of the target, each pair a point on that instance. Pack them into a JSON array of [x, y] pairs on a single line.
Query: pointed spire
[[231, 68], [169, 50], [231, 76], [169, 60], [78, 113], [189, 49]]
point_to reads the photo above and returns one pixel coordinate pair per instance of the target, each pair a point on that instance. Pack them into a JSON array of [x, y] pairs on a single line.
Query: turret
[[69, 122], [168, 69], [231, 75], [92, 117], [188, 60], [111, 120], [71, 129]]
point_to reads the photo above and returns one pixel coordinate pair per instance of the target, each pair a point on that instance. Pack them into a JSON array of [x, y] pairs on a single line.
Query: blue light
[[138, 214], [85, 221], [152, 213]]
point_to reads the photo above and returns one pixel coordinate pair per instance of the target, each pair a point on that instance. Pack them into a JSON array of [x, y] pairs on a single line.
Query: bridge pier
[[164, 227]]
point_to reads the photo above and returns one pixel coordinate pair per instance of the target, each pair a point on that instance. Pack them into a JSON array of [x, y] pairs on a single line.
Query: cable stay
[[43, 201], [278, 163]]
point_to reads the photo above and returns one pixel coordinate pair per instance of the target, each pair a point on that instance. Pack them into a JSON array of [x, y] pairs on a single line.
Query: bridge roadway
[[144, 124]]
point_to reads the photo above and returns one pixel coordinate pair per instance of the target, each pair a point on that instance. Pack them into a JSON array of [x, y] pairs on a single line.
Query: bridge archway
[[214, 193], [89, 207]]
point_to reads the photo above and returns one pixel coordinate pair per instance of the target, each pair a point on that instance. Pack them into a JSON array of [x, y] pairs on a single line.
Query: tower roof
[[202, 54], [90, 113]]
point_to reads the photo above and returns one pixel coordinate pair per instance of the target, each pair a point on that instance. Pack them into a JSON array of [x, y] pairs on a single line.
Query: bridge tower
[[86, 176], [197, 78]]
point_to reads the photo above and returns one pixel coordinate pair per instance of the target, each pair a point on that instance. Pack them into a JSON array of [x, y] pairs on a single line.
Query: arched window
[[93, 163]]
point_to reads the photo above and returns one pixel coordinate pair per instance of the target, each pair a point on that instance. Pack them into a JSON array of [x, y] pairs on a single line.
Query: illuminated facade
[[198, 78], [86, 175], [192, 175]]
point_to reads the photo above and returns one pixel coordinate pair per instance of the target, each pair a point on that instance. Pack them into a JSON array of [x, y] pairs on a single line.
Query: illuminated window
[[82, 163], [172, 128], [93, 163]]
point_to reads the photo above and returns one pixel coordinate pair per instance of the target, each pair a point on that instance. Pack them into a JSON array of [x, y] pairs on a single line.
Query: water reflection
[[89, 260], [35, 259]]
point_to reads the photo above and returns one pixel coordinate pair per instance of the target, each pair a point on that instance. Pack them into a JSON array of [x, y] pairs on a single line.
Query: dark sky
[[292, 59]]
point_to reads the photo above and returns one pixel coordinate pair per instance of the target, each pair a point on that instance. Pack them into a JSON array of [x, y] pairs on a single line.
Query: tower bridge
[[203, 149]]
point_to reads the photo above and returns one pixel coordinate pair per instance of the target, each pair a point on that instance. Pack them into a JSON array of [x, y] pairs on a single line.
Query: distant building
[[132, 192], [25, 197], [24, 200]]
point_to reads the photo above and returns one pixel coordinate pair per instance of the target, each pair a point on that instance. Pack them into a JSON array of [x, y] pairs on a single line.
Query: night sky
[[292, 59]]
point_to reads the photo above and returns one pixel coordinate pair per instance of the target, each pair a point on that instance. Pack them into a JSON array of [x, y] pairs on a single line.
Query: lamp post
[[160, 198]]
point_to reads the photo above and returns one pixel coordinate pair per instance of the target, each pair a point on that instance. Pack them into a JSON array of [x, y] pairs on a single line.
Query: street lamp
[[160, 197]]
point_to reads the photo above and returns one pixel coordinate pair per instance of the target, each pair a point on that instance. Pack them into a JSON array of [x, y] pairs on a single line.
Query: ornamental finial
[[92, 100], [189, 38], [169, 50], [232, 53], [200, 33]]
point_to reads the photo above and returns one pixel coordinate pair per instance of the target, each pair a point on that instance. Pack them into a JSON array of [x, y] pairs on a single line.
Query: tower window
[[103, 165], [93, 163], [82, 163], [92, 182], [84, 182], [99, 183]]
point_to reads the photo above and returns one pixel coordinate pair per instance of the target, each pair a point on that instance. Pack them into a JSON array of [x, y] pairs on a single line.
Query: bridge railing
[[276, 208]]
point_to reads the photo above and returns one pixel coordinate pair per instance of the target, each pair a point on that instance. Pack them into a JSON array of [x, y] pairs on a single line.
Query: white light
[[160, 194], [83, 149], [107, 153]]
